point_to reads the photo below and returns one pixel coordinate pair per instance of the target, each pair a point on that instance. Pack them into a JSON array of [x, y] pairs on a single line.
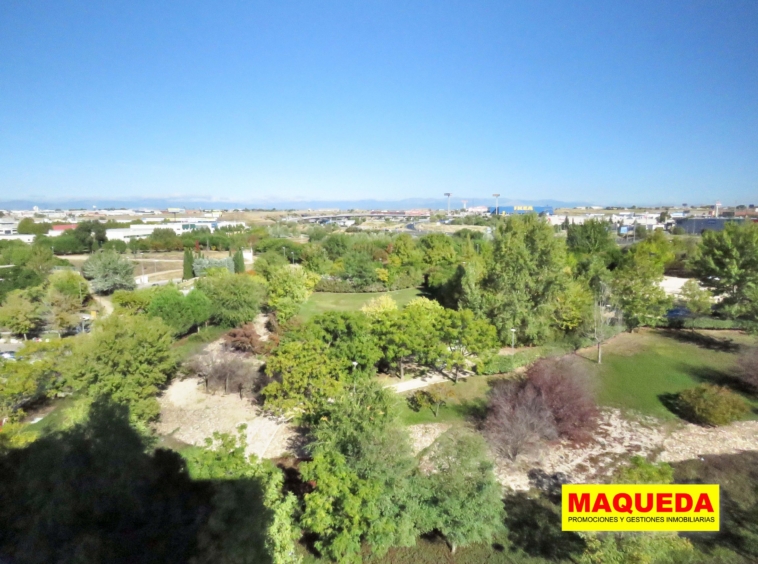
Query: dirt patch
[[616, 440], [190, 415], [422, 436], [692, 441]]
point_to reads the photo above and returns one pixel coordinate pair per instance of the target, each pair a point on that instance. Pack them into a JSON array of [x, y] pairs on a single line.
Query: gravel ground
[[618, 439], [190, 415]]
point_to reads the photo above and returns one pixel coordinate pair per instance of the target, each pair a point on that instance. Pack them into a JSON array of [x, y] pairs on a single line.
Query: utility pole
[[497, 206], [448, 194]]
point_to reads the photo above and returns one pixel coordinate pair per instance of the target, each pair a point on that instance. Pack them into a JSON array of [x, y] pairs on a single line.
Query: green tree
[[187, 270], [303, 374], [465, 500], [525, 278], [71, 284], [636, 291], [349, 342], [28, 226], [235, 298], [169, 304], [465, 338], [288, 288], [199, 306], [698, 300], [33, 376], [366, 486], [433, 397], [128, 358], [727, 263], [20, 314], [438, 249], [239, 262], [231, 535], [108, 272], [591, 237]]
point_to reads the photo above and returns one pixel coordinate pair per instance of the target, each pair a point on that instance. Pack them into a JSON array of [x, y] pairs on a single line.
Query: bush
[[640, 471], [517, 418], [707, 404], [335, 285], [567, 395], [245, 339], [502, 364]]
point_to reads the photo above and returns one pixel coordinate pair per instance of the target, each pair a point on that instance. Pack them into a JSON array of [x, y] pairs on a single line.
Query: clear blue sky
[[646, 102]]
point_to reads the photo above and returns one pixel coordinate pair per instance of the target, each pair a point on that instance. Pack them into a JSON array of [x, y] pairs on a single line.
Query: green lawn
[[191, 344], [469, 399], [321, 302], [641, 369]]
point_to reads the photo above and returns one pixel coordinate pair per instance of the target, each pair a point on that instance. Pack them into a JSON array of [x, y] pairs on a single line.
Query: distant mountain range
[[202, 203]]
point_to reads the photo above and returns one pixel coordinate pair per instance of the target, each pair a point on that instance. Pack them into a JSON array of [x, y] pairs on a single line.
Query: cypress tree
[[188, 260], [239, 262]]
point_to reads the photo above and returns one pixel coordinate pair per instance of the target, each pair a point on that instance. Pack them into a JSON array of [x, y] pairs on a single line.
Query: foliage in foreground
[[93, 494], [368, 487]]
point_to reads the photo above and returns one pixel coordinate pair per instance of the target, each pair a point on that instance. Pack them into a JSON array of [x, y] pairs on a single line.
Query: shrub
[[567, 395], [502, 364], [334, 285], [517, 418], [707, 404], [640, 471], [245, 339]]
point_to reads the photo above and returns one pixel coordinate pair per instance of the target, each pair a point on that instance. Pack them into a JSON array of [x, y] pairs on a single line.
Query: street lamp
[[292, 254], [513, 339], [284, 252], [497, 206], [448, 194]]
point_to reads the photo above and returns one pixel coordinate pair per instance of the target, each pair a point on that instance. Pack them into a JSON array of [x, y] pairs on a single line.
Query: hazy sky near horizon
[[646, 102]]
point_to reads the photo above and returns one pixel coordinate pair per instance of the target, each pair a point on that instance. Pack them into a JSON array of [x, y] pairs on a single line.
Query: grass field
[[468, 400], [641, 369], [321, 302]]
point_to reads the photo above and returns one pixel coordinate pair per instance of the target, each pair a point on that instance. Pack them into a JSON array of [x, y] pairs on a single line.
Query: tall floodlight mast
[[448, 194], [497, 207]]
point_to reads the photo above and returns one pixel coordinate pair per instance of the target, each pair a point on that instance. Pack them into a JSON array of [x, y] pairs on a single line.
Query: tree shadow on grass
[[704, 341], [534, 526]]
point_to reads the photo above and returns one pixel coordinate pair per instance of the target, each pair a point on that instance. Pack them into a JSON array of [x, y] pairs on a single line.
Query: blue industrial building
[[696, 225], [520, 210]]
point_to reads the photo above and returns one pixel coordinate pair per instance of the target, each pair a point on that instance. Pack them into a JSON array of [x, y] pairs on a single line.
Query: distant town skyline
[[646, 103]]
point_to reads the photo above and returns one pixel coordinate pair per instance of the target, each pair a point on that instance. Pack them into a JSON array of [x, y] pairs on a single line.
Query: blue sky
[[642, 102]]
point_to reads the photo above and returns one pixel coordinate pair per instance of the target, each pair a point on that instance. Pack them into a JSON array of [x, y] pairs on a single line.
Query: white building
[[143, 231]]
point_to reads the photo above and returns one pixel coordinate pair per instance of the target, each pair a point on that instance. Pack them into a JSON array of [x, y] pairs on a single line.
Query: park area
[[322, 302]]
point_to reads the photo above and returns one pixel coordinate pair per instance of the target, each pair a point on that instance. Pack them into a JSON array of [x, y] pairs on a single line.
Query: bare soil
[[190, 415], [618, 439]]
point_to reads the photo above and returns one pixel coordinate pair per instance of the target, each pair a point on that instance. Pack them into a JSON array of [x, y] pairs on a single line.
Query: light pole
[[284, 252], [497, 206], [513, 339], [292, 254], [448, 194]]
